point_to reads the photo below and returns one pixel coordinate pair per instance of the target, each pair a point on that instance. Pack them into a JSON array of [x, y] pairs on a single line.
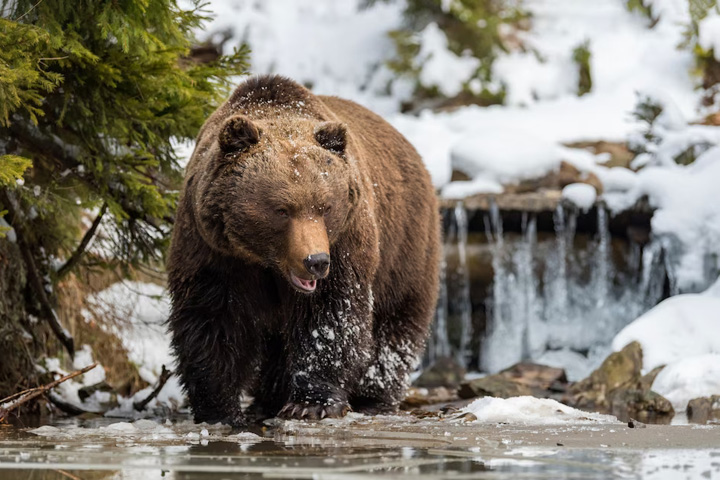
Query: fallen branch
[[66, 407], [27, 395], [164, 377], [80, 250]]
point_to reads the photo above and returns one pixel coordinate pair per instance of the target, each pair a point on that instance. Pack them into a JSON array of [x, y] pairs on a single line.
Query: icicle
[[464, 303]]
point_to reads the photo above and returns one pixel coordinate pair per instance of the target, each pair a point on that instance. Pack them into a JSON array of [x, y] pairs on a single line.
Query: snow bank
[[504, 155], [531, 411], [678, 328], [693, 377]]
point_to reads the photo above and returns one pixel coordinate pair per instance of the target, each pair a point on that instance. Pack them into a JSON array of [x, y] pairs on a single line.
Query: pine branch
[[80, 250], [34, 276], [31, 393]]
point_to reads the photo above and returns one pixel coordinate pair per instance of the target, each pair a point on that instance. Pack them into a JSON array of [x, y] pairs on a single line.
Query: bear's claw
[[294, 411]]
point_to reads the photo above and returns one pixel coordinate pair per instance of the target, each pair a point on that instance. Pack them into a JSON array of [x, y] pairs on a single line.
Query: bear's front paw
[[313, 411]]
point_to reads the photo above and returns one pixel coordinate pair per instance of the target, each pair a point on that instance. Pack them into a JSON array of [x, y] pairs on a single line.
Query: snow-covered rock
[[678, 328]]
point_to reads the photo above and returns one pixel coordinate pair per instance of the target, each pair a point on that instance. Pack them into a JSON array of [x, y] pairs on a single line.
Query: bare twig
[[31, 393], [164, 376], [80, 250], [34, 276], [68, 475]]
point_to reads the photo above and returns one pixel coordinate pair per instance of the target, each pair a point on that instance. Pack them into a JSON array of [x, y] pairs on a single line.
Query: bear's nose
[[318, 264]]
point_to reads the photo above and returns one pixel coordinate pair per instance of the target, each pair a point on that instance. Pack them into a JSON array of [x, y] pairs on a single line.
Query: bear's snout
[[318, 264]]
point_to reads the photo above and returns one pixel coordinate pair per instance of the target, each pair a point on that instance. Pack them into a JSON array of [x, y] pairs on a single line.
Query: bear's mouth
[[302, 285]]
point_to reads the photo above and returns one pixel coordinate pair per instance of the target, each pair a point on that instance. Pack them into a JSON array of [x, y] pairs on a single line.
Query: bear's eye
[[327, 210], [281, 212]]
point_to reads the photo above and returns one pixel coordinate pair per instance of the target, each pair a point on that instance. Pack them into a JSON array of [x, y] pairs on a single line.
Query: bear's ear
[[238, 133], [332, 136]]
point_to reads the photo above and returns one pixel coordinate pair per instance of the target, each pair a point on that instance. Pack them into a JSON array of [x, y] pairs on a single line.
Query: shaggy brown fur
[[281, 183]]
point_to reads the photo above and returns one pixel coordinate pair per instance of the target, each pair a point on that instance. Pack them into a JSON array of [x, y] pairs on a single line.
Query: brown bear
[[304, 262]]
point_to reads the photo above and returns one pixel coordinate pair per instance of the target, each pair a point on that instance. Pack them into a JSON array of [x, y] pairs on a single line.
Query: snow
[[334, 46], [681, 333], [504, 155], [678, 328], [139, 311], [441, 68], [531, 411], [709, 33], [576, 366], [581, 195], [689, 378]]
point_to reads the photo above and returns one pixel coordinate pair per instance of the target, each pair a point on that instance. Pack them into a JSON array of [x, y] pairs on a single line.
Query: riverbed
[[359, 446]]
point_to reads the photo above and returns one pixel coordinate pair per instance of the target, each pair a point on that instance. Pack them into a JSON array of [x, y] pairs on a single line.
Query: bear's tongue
[[306, 285]]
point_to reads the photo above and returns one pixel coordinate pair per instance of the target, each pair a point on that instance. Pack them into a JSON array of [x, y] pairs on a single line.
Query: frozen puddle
[[357, 447]]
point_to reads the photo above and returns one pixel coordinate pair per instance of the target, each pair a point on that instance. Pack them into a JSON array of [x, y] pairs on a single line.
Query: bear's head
[[279, 193]]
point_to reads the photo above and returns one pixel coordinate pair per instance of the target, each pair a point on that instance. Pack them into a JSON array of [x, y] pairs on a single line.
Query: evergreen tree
[[93, 94]]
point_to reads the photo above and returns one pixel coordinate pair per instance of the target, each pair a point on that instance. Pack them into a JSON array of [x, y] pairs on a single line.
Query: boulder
[[619, 388], [445, 372], [704, 409], [493, 386], [419, 397], [619, 370], [524, 378]]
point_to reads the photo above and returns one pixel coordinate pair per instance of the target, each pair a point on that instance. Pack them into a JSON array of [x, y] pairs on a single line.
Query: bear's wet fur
[[281, 182]]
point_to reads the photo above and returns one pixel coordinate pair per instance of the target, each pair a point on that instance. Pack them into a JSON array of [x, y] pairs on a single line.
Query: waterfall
[[556, 299], [552, 296]]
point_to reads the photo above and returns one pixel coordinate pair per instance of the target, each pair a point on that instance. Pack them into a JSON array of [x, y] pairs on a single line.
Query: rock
[[645, 405], [620, 154], [459, 176], [523, 378], [493, 386], [619, 388], [620, 370], [647, 380], [445, 372], [539, 201], [557, 180], [704, 409], [418, 397], [537, 377]]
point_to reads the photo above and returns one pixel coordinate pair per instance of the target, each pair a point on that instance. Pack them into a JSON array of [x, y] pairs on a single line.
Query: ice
[[689, 378], [531, 411], [581, 195], [678, 328], [534, 310], [149, 432]]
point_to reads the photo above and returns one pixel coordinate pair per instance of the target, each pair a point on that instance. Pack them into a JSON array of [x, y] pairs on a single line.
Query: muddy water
[[358, 447]]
